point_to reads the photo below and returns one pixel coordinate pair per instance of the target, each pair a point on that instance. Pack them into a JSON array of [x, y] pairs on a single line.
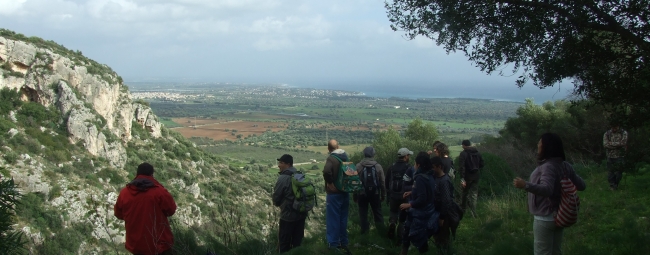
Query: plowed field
[[221, 129]]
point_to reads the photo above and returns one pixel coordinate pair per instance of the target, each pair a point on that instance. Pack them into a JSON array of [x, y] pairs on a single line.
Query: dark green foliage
[[580, 125], [493, 176], [9, 100], [601, 45], [138, 130], [31, 208], [11, 241], [66, 241], [112, 174], [11, 157], [6, 125], [35, 114]]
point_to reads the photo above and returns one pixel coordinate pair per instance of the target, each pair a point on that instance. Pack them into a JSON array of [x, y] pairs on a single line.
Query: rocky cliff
[[90, 94], [71, 137]]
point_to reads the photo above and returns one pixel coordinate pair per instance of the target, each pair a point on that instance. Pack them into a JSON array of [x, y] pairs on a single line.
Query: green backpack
[[347, 179], [304, 193]]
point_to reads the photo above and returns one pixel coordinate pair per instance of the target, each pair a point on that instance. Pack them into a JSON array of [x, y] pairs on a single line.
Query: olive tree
[[602, 46]]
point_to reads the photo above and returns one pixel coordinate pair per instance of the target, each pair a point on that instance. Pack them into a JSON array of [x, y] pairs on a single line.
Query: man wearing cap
[[144, 205], [374, 190], [399, 179], [292, 222], [337, 202]]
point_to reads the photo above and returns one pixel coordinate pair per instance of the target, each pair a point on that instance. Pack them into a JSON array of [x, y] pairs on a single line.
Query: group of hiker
[[420, 197]]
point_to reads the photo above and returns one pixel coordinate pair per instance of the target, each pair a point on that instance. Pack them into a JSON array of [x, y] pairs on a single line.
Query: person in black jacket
[[422, 217], [450, 212], [470, 163], [292, 222], [399, 179]]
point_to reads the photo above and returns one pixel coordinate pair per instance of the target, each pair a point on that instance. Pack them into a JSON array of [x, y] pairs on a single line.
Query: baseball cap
[[403, 152], [286, 158]]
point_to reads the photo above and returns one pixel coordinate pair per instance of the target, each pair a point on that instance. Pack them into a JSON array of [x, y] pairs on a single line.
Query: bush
[[11, 241], [11, 157], [9, 100]]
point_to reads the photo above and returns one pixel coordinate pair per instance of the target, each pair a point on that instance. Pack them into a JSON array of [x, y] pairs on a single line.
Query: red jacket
[[144, 205]]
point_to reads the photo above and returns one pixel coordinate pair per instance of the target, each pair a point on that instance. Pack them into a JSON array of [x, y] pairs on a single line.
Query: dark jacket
[[463, 159], [381, 180], [407, 178], [444, 199], [331, 169], [544, 189], [423, 218], [144, 205], [283, 196], [423, 191], [447, 163]]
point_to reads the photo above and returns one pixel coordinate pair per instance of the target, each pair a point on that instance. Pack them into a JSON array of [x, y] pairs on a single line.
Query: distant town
[[184, 93]]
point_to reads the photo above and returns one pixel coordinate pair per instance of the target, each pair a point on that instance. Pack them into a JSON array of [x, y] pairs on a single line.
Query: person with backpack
[[372, 177], [450, 212], [422, 217], [545, 193], [470, 163], [399, 179], [292, 221], [338, 202], [615, 143]]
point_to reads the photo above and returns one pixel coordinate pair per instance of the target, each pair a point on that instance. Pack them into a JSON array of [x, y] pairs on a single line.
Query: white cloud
[[281, 33], [423, 42], [265, 44], [10, 7]]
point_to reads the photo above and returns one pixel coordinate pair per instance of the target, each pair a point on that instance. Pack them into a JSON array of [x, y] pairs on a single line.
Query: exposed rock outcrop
[[97, 105]]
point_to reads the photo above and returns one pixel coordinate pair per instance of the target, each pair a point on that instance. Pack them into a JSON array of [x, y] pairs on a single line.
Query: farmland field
[[296, 118]]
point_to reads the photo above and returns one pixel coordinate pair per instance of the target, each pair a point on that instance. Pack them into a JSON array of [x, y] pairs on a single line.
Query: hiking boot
[[345, 250], [391, 231]]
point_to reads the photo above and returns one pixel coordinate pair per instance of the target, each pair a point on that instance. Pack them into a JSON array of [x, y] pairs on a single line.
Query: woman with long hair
[[442, 151], [544, 193]]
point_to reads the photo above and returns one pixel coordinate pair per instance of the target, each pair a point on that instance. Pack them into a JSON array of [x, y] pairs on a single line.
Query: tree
[[603, 46], [417, 137], [11, 241], [418, 131]]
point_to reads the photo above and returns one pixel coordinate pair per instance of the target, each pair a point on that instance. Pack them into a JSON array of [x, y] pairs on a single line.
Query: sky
[[340, 44]]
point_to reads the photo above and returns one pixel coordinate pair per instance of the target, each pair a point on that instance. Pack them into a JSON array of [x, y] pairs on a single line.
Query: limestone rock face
[[100, 108]]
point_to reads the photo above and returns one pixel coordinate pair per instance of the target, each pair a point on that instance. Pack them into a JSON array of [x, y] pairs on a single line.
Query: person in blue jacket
[[422, 219]]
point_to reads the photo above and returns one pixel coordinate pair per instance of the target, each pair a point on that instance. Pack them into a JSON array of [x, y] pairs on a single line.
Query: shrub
[[11, 157], [9, 100], [11, 241]]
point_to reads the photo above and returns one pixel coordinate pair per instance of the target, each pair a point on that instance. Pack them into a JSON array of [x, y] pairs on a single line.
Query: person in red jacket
[[144, 205]]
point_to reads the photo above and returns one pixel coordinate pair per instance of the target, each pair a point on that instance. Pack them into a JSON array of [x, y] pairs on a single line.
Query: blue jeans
[[336, 218]]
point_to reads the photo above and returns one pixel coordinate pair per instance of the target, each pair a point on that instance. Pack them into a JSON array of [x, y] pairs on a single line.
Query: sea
[[497, 92]]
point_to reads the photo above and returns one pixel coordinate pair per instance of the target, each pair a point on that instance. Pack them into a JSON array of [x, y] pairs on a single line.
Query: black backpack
[[473, 162], [369, 178], [396, 183]]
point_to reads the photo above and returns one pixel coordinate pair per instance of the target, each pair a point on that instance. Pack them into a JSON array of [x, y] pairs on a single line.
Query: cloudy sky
[[333, 43]]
